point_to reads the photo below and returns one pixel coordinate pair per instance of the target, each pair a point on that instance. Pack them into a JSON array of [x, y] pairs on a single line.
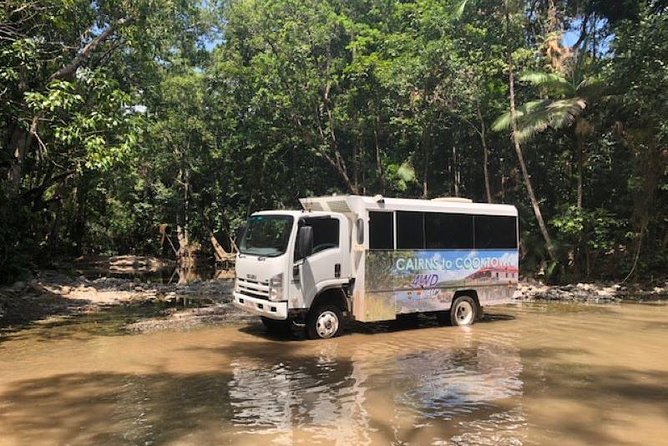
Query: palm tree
[[512, 121], [515, 118], [565, 98]]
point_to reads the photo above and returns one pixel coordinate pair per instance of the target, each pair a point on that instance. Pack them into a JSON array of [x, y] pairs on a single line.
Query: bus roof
[[356, 203]]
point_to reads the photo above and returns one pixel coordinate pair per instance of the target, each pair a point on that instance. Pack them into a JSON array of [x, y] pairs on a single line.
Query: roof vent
[[453, 199], [338, 206]]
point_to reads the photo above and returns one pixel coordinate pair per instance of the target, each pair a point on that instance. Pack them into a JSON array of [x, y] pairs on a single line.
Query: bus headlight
[[276, 287]]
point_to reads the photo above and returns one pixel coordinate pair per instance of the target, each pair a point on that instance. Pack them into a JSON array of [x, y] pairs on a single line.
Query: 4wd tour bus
[[373, 258]]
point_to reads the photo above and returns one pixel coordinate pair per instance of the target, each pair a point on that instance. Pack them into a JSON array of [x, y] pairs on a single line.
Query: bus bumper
[[261, 307]]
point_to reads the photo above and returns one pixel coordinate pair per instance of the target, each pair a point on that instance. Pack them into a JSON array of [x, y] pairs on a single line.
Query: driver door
[[325, 265]]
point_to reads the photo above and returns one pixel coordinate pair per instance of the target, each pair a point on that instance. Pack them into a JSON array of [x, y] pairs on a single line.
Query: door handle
[[337, 270]]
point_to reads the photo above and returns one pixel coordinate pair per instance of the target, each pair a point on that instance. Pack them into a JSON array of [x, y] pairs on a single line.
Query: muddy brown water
[[543, 374]]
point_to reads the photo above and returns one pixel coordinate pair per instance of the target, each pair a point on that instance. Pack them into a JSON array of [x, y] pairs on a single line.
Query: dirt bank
[[156, 306], [55, 295]]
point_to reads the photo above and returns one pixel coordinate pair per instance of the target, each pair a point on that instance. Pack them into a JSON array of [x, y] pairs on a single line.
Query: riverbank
[[53, 295], [598, 292], [159, 306]]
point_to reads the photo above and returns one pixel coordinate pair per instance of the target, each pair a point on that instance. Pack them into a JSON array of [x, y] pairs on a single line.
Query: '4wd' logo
[[424, 280]]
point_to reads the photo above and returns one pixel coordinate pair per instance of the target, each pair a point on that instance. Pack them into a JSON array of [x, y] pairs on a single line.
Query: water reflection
[[547, 375], [448, 383], [322, 397], [464, 393]]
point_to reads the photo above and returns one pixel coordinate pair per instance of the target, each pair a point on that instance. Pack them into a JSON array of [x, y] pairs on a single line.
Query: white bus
[[373, 258]]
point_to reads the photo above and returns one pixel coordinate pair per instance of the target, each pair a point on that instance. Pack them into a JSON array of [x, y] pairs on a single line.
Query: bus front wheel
[[324, 321]]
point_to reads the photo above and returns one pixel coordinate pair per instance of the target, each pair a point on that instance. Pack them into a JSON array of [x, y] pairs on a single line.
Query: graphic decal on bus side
[[421, 280]]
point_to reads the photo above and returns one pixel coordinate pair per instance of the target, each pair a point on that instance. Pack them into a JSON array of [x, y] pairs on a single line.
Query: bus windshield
[[266, 235]]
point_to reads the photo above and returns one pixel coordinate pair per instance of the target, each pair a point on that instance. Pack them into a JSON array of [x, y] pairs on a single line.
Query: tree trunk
[[356, 166], [580, 146], [17, 148], [329, 136], [485, 155], [186, 206], [518, 149], [379, 161], [456, 176], [425, 170], [81, 197], [52, 236], [19, 144]]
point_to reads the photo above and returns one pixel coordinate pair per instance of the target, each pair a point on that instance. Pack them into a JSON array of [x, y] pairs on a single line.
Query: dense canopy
[[117, 116]]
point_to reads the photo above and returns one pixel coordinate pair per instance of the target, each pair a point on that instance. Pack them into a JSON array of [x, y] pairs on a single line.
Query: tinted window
[[325, 233], [448, 231], [495, 232], [410, 230], [381, 230]]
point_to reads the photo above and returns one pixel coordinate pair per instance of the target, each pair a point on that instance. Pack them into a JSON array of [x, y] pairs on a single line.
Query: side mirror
[[304, 242], [359, 229]]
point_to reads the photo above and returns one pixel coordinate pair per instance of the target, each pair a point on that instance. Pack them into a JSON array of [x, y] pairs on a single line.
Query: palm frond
[[591, 88], [458, 10], [563, 112], [503, 122], [553, 83], [534, 117]]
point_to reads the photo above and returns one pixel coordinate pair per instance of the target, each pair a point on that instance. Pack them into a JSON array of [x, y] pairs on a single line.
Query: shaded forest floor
[[54, 298]]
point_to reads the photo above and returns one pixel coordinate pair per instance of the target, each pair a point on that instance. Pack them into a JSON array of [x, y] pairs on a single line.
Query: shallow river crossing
[[529, 374]]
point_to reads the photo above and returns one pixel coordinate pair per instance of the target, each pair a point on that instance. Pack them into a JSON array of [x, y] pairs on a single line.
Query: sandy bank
[[157, 306]]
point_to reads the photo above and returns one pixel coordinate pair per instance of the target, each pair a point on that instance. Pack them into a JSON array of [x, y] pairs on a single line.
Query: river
[[529, 374]]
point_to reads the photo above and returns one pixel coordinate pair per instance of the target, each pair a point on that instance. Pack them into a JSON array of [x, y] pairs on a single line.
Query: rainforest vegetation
[[117, 116]]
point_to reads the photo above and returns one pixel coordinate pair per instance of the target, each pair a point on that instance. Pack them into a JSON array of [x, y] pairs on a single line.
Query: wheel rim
[[327, 324], [464, 313]]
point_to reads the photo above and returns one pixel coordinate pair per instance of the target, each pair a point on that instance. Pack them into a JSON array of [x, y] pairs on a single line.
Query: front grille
[[253, 288]]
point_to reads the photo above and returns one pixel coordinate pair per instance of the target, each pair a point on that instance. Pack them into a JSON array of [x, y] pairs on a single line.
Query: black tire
[[274, 326], [324, 322], [463, 312]]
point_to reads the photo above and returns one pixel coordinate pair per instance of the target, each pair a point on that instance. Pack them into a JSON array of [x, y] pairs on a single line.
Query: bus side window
[[495, 232], [448, 231], [381, 230], [410, 230]]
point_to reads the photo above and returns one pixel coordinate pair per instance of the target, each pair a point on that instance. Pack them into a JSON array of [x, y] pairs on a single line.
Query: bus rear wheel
[[324, 322], [463, 311]]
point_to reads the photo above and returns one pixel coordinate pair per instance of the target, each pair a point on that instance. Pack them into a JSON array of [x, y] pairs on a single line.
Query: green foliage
[[198, 113], [534, 117]]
